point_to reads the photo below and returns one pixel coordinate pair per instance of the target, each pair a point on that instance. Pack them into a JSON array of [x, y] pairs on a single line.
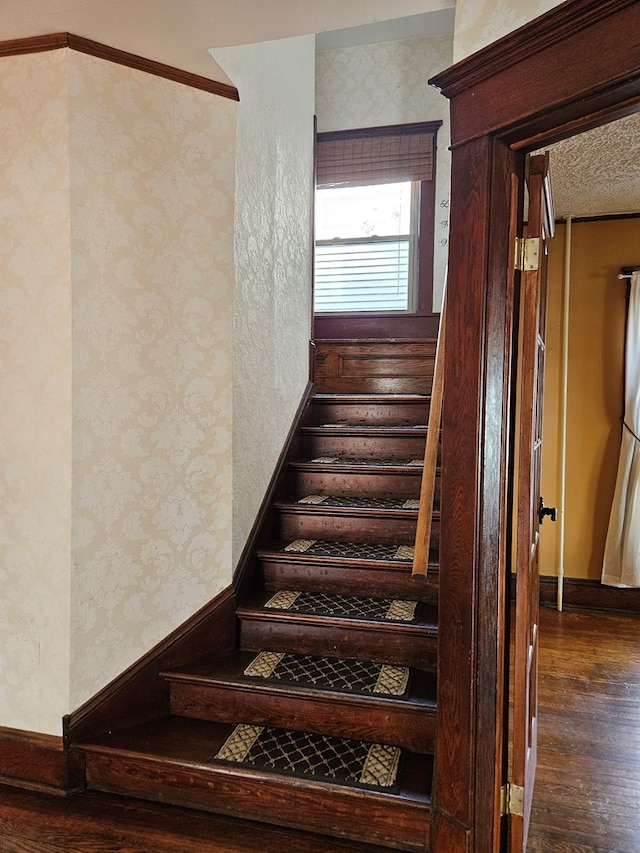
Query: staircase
[[323, 716]]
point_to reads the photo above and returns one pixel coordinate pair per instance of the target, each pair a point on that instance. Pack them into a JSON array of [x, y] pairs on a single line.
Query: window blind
[[376, 155]]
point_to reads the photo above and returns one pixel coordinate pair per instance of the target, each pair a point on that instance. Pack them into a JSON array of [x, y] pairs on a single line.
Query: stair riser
[[365, 446], [372, 414], [349, 581], [355, 483], [299, 525], [407, 725], [326, 809], [390, 643]]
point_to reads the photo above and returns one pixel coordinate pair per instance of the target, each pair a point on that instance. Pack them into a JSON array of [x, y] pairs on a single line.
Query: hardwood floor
[[587, 793]]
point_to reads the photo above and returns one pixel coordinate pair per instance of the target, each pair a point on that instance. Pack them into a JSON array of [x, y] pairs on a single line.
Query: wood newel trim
[[428, 485]]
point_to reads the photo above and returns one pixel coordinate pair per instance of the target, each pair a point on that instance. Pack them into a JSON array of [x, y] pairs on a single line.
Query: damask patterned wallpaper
[[386, 83], [272, 298], [152, 174], [116, 277], [35, 391], [479, 24]]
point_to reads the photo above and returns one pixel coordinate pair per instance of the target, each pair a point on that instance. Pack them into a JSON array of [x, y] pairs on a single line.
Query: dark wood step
[[374, 442], [404, 643], [380, 409], [351, 524], [171, 760], [218, 690], [349, 575], [358, 477]]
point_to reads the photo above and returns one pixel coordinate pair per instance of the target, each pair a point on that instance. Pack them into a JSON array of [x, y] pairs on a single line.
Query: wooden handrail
[[428, 485]]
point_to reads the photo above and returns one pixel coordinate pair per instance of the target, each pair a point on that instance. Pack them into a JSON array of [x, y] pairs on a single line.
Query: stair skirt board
[[351, 676], [357, 550], [343, 606], [305, 754]]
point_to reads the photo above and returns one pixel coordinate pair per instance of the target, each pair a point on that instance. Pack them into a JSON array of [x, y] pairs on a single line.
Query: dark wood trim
[[262, 530], [139, 694], [376, 326], [533, 85], [559, 24], [35, 44], [381, 130], [32, 760], [569, 96], [56, 41], [605, 217], [582, 594]]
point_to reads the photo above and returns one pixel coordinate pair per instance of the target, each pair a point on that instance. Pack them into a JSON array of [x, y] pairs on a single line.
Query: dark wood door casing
[[528, 89]]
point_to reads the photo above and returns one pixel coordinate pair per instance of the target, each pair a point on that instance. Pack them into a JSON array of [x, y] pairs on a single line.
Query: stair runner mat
[[352, 550], [383, 463], [362, 503], [343, 606], [352, 676], [305, 754]]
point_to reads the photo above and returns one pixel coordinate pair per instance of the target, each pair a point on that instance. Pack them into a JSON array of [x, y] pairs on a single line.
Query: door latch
[[544, 511]]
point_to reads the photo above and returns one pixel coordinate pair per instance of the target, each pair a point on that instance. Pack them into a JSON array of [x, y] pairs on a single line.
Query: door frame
[[531, 88]]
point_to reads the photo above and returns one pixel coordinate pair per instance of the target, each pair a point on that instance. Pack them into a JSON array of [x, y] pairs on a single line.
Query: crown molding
[[56, 41]]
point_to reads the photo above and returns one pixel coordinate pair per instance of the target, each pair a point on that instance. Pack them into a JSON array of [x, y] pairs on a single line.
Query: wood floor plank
[[587, 795]]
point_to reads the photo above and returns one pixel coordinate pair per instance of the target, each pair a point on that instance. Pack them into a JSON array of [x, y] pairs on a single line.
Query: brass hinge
[[527, 253], [512, 800]]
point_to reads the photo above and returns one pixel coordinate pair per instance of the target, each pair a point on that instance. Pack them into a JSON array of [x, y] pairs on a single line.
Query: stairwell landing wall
[[385, 84], [273, 239]]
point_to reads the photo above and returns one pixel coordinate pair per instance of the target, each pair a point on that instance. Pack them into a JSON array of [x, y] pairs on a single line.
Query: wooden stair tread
[[407, 466], [348, 430], [192, 744], [229, 670], [171, 760], [365, 397], [346, 505], [326, 550], [426, 618]]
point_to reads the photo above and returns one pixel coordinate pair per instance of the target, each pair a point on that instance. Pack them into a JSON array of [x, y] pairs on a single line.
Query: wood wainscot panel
[[374, 367], [32, 760]]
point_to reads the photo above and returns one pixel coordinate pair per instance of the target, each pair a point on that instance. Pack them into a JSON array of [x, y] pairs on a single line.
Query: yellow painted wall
[[595, 389]]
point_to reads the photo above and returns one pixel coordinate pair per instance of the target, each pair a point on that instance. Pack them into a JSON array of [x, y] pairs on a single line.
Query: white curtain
[[622, 550]]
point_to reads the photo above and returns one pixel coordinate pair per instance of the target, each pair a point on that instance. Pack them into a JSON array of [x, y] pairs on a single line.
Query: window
[[374, 219]]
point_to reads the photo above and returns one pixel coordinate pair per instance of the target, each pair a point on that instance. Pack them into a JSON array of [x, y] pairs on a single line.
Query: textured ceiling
[[597, 173]]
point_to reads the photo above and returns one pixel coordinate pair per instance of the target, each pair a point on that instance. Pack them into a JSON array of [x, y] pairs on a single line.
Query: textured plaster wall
[[272, 298], [479, 24], [152, 177], [35, 392], [386, 83]]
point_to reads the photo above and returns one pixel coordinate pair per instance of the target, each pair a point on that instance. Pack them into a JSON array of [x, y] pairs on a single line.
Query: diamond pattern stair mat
[[351, 550], [352, 676], [305, 754], [383, 463], [343, 606], [359, 502]]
